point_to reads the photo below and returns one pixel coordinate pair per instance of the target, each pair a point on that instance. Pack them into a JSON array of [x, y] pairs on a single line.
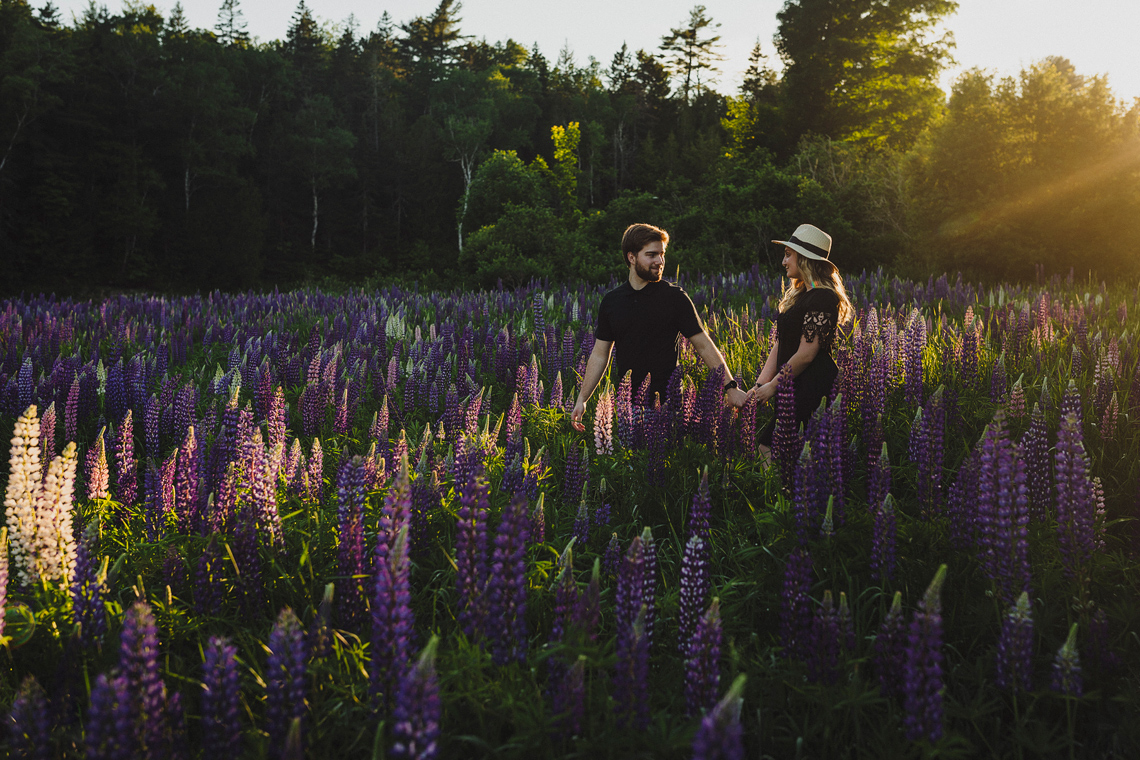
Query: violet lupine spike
[[4, 578], [1067, 679], [71, 411], [623, 410], [884, 540], [397, 512], [577, 473], [823, 652], [417, 713], [284, 678], [86, 591], [846, 624], [538, 521], [1076, 512], [295, 468], [126, 468], [314, 473], [247, 557], [1015, 647], [29, 723], [890, 649], [110, 728], [1035, 448], [393, 623], [931, 462], [702, 661], [150, 426], [507, 586], [581, 528], [588, 615], [221, 700], [209, 591], [695, 586], [806, 503], [922, 669], [220, 516], [720, 735], [795, 609], [611, 560], [701, 509], [879, 479], [139, 664], [785, 438], [565, 595], [352, 498], [275, 423], [631, 679], [649, 581], [98, 473], [48, 424], [569, 700], [471, 553]]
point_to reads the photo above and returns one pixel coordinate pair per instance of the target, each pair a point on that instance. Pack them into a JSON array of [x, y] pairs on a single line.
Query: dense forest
[[137, 152]]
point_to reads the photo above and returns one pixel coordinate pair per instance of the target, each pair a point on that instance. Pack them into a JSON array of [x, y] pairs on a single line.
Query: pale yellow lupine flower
[[23, 492], [55, 543]]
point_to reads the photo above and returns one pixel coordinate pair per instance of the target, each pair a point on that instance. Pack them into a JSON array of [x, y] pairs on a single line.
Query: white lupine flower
[[23, 492], [55, 542]]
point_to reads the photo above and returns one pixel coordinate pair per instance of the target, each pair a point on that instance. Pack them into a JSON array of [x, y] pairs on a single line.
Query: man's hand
[[735, 397], [577, 415]]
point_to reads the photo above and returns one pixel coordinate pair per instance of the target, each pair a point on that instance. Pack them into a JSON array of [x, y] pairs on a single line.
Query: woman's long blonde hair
[[818, 274]]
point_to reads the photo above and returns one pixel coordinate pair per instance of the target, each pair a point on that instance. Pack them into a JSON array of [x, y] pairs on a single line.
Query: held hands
[[735, 397], [763, 392]]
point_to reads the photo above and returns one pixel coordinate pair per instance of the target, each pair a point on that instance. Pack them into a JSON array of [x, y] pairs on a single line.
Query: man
[[643, 317]]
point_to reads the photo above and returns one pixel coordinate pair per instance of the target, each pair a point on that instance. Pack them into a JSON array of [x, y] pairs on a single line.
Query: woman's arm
[[800, 360]]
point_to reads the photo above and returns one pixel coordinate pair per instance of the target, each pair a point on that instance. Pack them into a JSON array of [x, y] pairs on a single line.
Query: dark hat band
[[813, 248]]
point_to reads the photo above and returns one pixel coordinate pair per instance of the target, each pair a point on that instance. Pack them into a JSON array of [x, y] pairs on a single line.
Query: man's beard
[[648, 274]]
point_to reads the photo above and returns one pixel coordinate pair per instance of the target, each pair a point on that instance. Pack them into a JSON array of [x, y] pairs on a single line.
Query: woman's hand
[[763, 392]]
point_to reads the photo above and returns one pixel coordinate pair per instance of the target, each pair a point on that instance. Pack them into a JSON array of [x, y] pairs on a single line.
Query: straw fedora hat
[[810, 241]]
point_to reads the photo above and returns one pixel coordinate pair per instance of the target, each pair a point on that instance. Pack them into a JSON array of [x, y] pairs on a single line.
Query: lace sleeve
[[820, 324]]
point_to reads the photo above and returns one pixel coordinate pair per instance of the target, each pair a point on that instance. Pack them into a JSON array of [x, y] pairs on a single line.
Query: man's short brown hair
[[637, 236]]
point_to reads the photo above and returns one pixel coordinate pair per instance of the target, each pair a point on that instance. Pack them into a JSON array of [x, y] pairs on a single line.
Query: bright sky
[[1098, 36]]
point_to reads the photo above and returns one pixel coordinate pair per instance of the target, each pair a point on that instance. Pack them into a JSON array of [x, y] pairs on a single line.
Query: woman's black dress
[[813, 316]]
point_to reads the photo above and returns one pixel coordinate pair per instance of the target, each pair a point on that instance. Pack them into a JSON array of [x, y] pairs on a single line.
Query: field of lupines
[[299, 524]]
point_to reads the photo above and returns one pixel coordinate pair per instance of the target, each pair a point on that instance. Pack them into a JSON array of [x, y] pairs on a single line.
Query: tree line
[[138, 152]]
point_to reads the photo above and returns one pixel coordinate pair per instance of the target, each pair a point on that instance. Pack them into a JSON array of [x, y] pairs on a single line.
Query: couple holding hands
[[643, 317]]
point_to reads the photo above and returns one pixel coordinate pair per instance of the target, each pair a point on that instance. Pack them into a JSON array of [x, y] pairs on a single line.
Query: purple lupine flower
[[86, 592], [611, 560], [340, 418], [314, 473], [221, 514], [702, 662], [507, 585], [48, 424], [1015, 407], [695, 587], [702, 507], [879, 479], [393, 622], [150, 426], [471, 552], [631, 679], [209, 591], [221, 700], [884, 533], [720, 735], [922, 669], [1015, 647], [126, 468], [890, 649], [295, 467], [577, 473], [807, 506], [795, 609], [284, 678], [1098, 649], [1035, 448], [998, 380], [569, 700], [29, 723], [98, 474], [565, 595], [71, 411], [352, 498], [556, 393], [538, 521], [1067, 677], [1076, 512], [139, 663], [912, 362], [4, 577], [405, 505], [623, 410], [588, 614], [416, 714], [581, 528], [930, 460], [823, 652], [649, 582], [275, 423], [250, 583], [110, 728]]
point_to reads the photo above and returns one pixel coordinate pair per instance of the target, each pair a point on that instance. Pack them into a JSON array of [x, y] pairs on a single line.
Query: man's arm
[[713, 358], [595, 368]]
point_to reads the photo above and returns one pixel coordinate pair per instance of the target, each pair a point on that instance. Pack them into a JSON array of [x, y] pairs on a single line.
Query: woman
[[810, 311]]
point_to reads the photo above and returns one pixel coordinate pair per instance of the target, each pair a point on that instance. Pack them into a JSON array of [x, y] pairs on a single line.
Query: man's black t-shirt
[[643, 324]]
